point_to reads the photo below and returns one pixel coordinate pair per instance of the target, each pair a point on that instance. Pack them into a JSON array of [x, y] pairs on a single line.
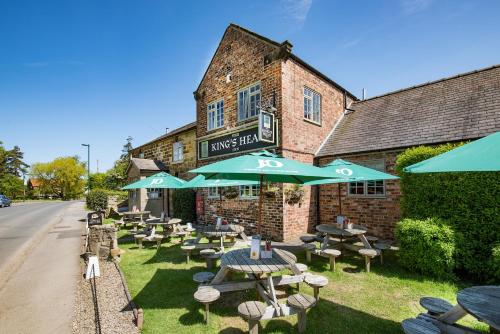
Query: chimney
[[166, 130], [363, 94]]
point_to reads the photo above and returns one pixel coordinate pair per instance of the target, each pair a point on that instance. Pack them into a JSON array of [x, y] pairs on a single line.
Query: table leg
[[222, 244], [364, 241], [221, 274], [453, 315], [326, 239]]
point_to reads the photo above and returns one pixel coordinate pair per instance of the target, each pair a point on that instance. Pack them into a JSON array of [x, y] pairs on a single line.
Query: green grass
[[353, 302]]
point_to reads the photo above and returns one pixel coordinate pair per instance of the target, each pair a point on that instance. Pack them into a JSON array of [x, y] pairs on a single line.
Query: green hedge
[[184, 204], [427, 246], [495, 262], [97, 200], [470, 202]]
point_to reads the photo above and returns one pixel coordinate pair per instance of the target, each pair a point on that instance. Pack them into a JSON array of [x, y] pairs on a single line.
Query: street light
[[88, 165]]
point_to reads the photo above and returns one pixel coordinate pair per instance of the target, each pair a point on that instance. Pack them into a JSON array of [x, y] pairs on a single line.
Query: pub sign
[[240, 141]]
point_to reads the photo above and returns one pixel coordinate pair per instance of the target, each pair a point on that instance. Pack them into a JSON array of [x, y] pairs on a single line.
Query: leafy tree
[[62, 177], [99, 180], [11, 186], [11, 168], [116, 177]]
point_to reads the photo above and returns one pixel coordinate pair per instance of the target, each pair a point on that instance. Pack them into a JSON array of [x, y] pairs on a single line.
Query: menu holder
[[255, 247], [219, 223], [266, 254]]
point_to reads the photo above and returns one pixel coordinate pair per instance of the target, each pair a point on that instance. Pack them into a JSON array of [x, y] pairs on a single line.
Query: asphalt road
[[18, 224]]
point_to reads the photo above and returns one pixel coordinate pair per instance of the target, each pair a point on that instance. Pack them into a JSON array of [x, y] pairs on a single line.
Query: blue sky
[[97, 71]]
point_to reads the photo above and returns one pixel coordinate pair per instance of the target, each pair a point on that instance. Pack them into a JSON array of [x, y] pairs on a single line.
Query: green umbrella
[[201, 182], [350, 172], [482, 155], [160, 180], [263, 166]]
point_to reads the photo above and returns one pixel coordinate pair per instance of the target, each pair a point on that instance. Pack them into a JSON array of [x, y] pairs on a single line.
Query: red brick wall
[[380, 215]]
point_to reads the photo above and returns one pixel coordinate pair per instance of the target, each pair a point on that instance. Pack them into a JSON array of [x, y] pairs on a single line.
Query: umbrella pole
[[260, 204], [168, 203], [340, 200]]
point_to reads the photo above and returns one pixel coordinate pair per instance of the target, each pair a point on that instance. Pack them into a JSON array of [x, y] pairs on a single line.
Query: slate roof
[[147, 164], [169, 134], [466, 106]]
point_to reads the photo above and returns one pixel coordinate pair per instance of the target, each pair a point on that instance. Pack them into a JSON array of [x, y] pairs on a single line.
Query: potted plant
[[230, 193], [294, 194]]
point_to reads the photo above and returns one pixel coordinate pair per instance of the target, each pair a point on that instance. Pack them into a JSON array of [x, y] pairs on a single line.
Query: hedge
[[97, 200], [427, 246], [470, 202], [184, 204]]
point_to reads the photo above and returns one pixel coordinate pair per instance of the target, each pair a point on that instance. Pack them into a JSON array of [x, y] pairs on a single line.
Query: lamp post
[[88, 165]]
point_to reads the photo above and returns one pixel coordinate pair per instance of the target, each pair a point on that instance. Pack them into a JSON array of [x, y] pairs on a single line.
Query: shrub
[[470, 202], [427, 246], [184, 204], [495, 262], [97, 200]]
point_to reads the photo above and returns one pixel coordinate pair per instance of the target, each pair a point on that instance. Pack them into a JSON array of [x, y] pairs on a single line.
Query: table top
[[346, 232], [483, 302], [210, 231], [239, 260], [155, 221], [135, 212]]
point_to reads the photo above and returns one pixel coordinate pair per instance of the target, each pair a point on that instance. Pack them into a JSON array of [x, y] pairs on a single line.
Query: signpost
[[266, 127]]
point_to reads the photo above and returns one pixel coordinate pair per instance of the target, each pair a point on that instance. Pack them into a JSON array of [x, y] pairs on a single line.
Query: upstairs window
[[153, 193], [369, 188], [249, 191], [312, 105], [178, 154], [248, 102], [215, 115]]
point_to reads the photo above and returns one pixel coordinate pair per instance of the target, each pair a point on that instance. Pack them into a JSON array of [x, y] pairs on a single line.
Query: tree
[[117, 176], [62, 177], [11, 168]]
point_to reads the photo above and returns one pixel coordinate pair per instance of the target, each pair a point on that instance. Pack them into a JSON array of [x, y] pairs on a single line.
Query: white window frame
[[153, 193], [213, 192], [247, 102], [249, 192], [215, 115], [313, 101], [178, 151], [379, 165]]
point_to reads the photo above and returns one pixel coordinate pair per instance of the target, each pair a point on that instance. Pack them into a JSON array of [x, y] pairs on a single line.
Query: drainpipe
[[318, 216]]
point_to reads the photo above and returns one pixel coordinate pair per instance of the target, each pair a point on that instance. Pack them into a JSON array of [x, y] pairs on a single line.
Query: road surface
[[39, 266]]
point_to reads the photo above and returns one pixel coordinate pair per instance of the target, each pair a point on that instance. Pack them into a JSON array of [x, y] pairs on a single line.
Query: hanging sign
[[266, 127], [240, 141]]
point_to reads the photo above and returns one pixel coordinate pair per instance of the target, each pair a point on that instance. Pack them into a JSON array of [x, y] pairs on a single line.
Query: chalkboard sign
[[241, 141]]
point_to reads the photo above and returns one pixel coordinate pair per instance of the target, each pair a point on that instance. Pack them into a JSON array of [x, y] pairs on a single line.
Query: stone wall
[[102, 239]]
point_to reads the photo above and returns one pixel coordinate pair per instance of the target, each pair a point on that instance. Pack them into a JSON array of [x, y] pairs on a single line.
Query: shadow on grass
[[174, 289]]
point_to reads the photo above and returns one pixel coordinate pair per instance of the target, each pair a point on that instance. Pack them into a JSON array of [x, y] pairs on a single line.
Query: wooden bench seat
[[316, 282], [188, 249], [210, 255], [252, 311], [419, 326], [435, 306], [203, 277], [301, 303], [307, 238], [368, 254], [309, 248], [138, 238], [206, 296], [332, 254]]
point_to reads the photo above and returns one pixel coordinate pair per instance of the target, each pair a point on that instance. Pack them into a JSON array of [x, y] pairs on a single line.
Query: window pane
[[316, 107]]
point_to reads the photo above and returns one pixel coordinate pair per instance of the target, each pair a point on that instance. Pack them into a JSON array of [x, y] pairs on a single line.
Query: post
[[340, 200], [88, 165], [260, 203]]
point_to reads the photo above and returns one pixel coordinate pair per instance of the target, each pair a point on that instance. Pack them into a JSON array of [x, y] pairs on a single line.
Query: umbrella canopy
[[159, 180], [201, 182], [350, 172], [263, 165], [482, 155]]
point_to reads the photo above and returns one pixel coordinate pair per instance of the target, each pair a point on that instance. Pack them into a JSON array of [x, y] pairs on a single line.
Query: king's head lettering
[[269, 163]]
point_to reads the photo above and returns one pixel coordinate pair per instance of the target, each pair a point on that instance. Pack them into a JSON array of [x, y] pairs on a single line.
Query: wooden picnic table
[[238, 260], [210, 231], [329, 230], [133, 214]]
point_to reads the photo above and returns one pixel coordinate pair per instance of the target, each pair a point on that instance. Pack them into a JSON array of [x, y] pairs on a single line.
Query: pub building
[[316, 121]]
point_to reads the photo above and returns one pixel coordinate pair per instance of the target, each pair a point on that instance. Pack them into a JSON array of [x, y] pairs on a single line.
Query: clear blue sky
[[96, 71]]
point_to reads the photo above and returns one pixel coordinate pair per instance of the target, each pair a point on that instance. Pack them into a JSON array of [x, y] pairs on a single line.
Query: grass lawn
[[354, 301]]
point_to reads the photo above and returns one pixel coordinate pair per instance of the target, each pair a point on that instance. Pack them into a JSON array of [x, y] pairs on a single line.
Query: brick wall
[[380, 214]]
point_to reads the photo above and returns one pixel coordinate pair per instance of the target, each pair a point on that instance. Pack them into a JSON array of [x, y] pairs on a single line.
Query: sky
[[97, 71]]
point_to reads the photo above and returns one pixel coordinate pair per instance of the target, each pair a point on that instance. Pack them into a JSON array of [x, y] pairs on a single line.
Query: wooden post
[[260, 203], [206, 313], [340, 200], [332, 263], [302, 320], [253, 326], [367, 263]]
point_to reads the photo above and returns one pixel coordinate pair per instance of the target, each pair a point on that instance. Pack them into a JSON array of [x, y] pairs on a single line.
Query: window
[[369, 188], [312, 105], [153, 193], [248, 102], [215, 115], [178, 154], [213, 192], [141, 155], [249, 191]]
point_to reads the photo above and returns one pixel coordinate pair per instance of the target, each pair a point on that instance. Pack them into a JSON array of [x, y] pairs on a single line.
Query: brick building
[[246, 71], [173, 152]]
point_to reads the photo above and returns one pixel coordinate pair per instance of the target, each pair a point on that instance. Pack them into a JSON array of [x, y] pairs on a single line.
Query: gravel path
[[115, 313]]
